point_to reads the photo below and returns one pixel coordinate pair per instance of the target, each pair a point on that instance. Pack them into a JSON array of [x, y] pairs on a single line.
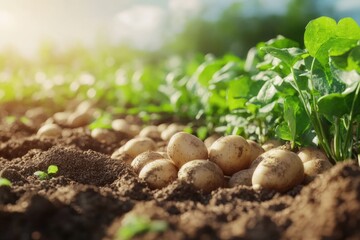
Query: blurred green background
[[170, 27], [124, 51]]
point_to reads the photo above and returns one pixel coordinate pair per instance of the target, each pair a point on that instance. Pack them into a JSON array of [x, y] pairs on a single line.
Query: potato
[[158, 173], [144, 158], [230, 153], [184, 147], [315, 167], [150, 132], [170, 131], [255, 150], [270, 144], [161, 127], [279, 170], [79, 119], [242, 177], [311, 153], [85, 107], [50, 130], [134, 129], [121, 125], [138, 145], [211, 139], [36, 116], [61, 118], [103, 135], [202, 174]]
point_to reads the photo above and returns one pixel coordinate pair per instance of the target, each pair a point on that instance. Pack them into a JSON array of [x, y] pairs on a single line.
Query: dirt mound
[[329, 207], [87, 167]]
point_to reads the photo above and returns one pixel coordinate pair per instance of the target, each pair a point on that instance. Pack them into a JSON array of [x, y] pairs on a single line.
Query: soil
[[91, 195]]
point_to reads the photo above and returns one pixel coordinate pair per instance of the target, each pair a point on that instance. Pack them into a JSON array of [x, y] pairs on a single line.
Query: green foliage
[[327, 84], [133, 225], [303, 95], [5, 182], [51, 170], [104, 121]]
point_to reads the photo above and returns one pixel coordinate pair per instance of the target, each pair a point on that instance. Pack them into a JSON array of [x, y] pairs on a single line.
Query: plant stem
[[347, 148], [337, 139], [324, 142]]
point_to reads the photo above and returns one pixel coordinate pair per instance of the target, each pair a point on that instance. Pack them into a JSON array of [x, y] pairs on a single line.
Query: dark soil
[[91, 194]]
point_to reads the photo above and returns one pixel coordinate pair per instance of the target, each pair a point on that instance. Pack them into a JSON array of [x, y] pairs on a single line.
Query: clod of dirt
[[12, 174], [7, 196], [180, 191]]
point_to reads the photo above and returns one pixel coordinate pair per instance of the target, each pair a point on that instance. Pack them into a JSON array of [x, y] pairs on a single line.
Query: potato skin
[[230, 153], [170, 131], [315, 167], [150, 131], [184, 147], [255, 150], [270, 144], [202, 174], [211, 139], [103, 135], [279, 170], [144, 158], [311, 153], [138, 145], [158, 173], [50, 130], [242, 177]]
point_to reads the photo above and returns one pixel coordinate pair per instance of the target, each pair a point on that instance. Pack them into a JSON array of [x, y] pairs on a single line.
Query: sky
[[25, 24]]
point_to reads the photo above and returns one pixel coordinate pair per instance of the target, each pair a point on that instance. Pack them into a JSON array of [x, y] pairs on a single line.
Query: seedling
[[133, 225], [52, 170], [5, 182]]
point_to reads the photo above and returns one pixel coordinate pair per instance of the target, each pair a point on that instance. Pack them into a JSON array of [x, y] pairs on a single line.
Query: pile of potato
[[219, 161], [207, 165]]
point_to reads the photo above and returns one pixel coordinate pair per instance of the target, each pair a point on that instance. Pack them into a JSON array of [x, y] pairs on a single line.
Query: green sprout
[[52, 169], [4, 182], [103, 122], [133, 225]]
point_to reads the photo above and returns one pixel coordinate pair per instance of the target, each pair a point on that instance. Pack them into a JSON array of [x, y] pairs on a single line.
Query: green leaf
[[337, 104], [289, 56], [102, 122], [283, 132], [5, 182], [290, 108], [52, 169], [348, 28], [318, 32], [133, 225], [158, 226], [202, 132], [354, 59], [324, 38], [282, 42], [41, 175], [267, 92], [296, 119], [205, 71], [240, 87]]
